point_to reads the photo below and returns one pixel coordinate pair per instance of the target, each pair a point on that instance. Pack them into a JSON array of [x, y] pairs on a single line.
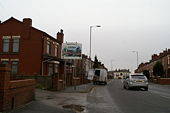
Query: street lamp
[[111, 64], [136, 56], [90, 37]]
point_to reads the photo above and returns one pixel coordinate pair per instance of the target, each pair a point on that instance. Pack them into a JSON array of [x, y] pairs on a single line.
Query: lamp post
[[90, 37], [136, 56], [111, 64]]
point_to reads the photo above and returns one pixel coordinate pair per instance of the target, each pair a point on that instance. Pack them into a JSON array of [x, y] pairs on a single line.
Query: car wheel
[[128, 87], [146, 88], [124, 86]]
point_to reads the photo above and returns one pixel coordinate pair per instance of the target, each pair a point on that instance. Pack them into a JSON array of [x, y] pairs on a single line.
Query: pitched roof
[[14, 19]]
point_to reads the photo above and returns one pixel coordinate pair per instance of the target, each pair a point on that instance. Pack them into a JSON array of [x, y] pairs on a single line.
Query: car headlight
[[146, 82], [131, 82]]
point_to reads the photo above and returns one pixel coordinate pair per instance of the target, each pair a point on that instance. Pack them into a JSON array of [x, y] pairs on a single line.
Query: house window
[[55, 50], [168, 59], [14, 67], [4, 62], [48, 47], [15, 45], [50, 69], [56, 68], [5, 45]]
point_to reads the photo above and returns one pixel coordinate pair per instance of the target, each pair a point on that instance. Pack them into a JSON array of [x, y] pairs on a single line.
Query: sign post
[[71, 51]]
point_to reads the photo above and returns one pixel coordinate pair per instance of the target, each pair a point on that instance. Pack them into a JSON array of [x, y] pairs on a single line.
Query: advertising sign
[[71, 51]]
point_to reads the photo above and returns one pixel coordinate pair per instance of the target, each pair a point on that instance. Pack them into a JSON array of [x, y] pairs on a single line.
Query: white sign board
[[90, 74], [71, 51]]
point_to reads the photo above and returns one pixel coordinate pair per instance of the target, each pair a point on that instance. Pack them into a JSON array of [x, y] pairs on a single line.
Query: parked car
[[135, 80]]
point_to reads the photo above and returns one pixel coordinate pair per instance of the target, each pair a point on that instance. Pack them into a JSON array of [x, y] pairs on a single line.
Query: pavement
[[70, 100], [84, 88]]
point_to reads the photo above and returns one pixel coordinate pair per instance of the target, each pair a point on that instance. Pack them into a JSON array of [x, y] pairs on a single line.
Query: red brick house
[[14, 93], [163, 57], [28, 50]]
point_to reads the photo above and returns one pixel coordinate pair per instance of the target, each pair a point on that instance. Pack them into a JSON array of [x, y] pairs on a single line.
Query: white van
[[98, 76]]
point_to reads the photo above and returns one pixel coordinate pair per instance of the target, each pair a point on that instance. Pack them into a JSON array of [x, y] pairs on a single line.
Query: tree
[[146, 73], [158, 69], [96, 62]]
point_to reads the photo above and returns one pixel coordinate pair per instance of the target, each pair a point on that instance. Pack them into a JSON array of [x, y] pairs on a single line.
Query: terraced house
[[163, 57], [28, 50]]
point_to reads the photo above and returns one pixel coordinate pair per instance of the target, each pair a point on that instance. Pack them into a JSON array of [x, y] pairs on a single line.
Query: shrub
[[158, 69]]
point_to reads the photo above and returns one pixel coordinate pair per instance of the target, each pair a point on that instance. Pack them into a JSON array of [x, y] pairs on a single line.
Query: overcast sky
[[126, 25]]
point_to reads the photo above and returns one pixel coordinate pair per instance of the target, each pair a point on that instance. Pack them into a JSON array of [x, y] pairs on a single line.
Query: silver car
[[135, 80]]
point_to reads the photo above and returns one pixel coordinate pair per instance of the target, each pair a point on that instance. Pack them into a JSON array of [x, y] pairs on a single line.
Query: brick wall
[[14, 93], [164, 81], [76, 81], [32, 46], [58, 84]]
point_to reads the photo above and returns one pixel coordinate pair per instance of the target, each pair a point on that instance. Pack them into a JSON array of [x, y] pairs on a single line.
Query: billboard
[[71, 51]]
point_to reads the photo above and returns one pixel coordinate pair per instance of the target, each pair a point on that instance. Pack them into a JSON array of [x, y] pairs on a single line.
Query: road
[[114, 99], [111, 98]]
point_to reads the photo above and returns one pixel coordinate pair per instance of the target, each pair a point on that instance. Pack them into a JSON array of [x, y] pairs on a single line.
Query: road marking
[[92, 90]]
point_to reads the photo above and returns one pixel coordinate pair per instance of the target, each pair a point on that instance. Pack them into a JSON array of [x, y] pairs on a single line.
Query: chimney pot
[[61, 31]]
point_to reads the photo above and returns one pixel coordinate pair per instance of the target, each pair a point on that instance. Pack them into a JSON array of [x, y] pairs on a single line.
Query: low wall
[[76, 81], [16, 92], [164, 81], [42, 82], [58, 84], [53, 82]]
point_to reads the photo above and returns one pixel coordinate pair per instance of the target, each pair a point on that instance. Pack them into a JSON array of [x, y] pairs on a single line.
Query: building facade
[[28, 50], [163, 57], [119, 73]]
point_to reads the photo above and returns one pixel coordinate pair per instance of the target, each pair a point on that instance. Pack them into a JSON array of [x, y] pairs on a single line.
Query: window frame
[[15, 43], [56, 51], [12, 67], [50, 66], [6, 45], [48, 47], [56, 68], [4, 62]]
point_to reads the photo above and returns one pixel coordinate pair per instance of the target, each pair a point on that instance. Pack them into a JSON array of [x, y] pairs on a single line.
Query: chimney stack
[[154, 56], [27, 21], [60, 37]]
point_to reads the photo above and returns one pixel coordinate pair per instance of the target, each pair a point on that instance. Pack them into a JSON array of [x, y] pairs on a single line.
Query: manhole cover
[[74, 107]]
